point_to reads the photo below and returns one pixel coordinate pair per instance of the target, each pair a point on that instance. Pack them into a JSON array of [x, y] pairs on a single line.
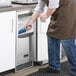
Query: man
[[62, 28]]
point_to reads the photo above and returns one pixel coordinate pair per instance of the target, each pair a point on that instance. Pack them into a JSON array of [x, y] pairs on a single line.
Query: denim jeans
[[69, 46]]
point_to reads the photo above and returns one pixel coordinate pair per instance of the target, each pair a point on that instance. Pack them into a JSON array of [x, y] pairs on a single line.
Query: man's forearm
[[49, 12], [33, 18], [46, 14]]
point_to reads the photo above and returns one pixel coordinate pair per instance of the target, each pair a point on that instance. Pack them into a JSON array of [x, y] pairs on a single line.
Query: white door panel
[[42, 27], [7, 40], [42, 49], [42, 40]]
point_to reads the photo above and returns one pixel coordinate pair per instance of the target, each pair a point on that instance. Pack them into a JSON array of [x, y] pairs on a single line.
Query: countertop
[[17, 7]]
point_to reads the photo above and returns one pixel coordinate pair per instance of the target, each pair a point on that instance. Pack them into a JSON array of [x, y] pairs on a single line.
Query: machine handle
[[12, 27], [25, 35]]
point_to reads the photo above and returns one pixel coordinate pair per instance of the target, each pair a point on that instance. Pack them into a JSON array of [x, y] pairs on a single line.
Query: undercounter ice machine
[[24, 52]]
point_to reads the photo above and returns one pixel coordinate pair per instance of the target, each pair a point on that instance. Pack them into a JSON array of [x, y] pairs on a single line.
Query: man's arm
[[46, 14], [50, 11], [38, 9], [33, 18], [53, 4]]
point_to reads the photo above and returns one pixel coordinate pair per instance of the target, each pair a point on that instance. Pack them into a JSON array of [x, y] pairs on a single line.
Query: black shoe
[[48, 70]]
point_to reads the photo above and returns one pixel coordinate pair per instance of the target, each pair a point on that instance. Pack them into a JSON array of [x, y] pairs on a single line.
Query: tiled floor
[[25, 72]]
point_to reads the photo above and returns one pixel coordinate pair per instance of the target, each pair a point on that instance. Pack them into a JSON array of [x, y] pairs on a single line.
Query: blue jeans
[[54, 53]]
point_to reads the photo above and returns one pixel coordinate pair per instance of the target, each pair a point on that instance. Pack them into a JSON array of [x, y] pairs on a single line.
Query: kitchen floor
[[25, 72]]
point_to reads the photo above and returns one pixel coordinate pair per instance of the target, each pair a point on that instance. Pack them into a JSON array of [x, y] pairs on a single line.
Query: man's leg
[[70, 49], [53, 55]]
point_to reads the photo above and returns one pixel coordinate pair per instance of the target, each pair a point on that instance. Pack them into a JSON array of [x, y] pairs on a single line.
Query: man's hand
[[28, 27], [46, 14]]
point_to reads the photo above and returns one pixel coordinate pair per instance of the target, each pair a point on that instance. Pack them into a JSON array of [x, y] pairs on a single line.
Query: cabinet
[[7, 40]]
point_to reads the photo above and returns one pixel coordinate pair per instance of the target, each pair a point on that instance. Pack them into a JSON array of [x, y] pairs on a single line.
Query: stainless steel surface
[[24, 53], [16, 7], [34, 42], [25, 1]]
